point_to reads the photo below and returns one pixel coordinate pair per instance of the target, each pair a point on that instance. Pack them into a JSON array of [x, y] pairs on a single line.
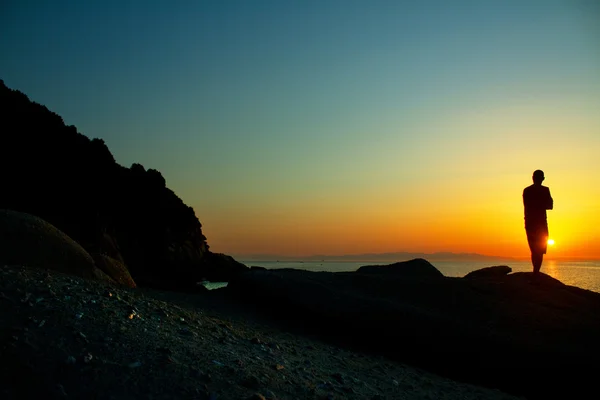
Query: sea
[[583, 274]]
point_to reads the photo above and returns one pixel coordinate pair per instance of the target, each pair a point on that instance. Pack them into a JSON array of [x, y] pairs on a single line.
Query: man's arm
[[549, 201]]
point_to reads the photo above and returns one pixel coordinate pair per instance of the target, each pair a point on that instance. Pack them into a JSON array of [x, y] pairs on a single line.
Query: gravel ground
[[65, 337]]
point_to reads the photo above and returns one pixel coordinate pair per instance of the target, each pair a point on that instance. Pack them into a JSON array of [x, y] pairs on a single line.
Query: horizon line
[[390, 255]]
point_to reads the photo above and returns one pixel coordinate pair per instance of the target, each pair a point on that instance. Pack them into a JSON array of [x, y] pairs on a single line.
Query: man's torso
[[536, 199]]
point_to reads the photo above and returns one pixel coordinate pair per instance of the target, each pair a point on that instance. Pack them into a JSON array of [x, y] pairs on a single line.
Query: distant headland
[[376, 257]]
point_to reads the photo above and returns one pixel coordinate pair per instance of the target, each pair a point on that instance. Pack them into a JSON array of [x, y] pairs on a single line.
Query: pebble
[[251, 381], [61, 390], [338, 377], [185, 331]]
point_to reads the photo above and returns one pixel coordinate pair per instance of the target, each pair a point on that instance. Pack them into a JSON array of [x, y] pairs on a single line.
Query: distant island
[[375, 257]]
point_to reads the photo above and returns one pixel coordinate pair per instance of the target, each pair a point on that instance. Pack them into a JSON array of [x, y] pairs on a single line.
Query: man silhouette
[[536, 200]]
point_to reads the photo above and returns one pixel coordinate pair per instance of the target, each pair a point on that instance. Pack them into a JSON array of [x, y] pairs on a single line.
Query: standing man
[[536, 200]]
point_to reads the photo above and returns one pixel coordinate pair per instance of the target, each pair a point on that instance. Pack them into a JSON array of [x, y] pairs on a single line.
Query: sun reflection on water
[[550, 267]]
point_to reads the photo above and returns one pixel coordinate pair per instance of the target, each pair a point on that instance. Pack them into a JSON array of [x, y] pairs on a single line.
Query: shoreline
[[584, 274]]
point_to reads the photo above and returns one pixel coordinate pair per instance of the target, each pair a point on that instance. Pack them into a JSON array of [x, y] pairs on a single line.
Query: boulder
[[218, 267], [115, 269], [28, 240], [415, 268], [489, 272]]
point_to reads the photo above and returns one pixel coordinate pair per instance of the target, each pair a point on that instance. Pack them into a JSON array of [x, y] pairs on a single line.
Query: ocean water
[[583, 274]]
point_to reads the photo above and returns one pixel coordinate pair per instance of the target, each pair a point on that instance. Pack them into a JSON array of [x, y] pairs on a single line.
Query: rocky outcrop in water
[[416, 268], [489, 272], [52, 171]]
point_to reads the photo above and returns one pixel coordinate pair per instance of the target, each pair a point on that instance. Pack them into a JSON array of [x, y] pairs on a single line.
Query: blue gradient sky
[[346, 126]]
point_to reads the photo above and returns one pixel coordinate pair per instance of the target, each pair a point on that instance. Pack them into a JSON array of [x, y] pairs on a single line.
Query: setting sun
[[550, 242]]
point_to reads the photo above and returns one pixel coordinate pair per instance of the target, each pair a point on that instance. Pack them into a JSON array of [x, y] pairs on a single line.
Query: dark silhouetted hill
[[54, 172]]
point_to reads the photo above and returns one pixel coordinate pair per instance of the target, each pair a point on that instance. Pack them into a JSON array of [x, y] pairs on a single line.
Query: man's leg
[[536, 260]]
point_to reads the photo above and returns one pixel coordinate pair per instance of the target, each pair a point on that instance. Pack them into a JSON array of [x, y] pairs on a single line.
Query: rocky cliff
[[52, 171]]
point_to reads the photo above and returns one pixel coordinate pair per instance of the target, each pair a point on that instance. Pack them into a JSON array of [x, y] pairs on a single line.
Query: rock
[[489, 272], [338, 377], [60, 391], [507, 332], [251, 382], [115, 269], [257, 396], [219, 267], [416, 268], [31, 241]]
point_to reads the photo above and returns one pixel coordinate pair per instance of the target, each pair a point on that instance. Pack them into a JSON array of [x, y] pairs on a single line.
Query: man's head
[[538, 176]]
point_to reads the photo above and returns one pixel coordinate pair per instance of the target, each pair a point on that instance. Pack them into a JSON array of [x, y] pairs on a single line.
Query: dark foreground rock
[[539, 340], [63, 337]]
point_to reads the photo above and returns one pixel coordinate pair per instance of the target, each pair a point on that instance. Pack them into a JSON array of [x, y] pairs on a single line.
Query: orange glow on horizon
[[457, 197], [488, 222]]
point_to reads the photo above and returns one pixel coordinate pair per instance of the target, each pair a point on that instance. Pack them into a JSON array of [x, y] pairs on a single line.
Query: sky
[[334, 127]]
